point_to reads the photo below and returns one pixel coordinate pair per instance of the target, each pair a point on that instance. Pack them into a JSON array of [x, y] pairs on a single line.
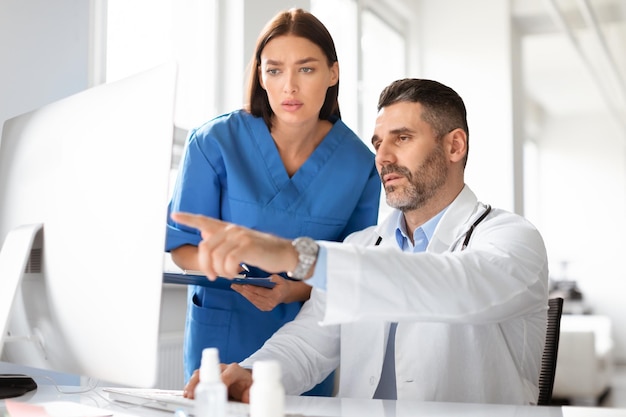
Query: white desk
[[336, 407]]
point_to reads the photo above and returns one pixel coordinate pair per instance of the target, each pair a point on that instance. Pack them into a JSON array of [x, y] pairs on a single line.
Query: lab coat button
[[372, 380]]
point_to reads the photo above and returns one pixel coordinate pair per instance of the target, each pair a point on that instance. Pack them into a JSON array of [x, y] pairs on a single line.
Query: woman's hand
[[266, 299]]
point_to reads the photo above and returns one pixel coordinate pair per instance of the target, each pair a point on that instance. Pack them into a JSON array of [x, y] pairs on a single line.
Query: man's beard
[[422, 184]]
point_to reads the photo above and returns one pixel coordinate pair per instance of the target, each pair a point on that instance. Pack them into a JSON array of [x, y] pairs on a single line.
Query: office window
[[371, 42], [141, 34], [384, 60], [341, 19]]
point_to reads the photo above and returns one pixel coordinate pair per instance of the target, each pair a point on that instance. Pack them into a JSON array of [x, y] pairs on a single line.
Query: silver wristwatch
[[307, 255]]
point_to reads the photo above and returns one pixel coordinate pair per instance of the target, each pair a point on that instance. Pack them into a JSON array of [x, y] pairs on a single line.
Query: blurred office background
[[544, 82]]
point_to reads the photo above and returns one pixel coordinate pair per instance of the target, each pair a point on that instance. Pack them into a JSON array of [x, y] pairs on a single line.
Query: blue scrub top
[[231, 170]]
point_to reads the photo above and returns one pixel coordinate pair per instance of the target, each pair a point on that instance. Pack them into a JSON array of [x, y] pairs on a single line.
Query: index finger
[[203, 223]]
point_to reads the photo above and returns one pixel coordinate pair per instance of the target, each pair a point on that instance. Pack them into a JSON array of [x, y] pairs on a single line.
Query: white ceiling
[[574, 55]]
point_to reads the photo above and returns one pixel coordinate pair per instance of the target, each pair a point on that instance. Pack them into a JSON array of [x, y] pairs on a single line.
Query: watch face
[[306, 246], [307, 255]]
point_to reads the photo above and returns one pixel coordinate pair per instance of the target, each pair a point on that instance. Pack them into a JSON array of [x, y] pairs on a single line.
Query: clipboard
[[197, 278]]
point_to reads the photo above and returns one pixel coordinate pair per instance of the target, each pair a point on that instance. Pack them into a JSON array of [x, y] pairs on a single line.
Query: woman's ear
[[260, 77], [457, 141], [334, 74]]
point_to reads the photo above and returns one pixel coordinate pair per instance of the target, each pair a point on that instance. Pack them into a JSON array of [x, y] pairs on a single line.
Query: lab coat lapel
[[387, 229], [449, 229]]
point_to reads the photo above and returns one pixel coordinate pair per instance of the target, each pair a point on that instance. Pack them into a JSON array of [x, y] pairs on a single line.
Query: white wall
[[582, 206], [44, 52]]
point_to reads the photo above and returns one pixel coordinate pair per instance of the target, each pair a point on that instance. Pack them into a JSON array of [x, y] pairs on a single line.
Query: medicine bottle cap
[[266, 371], [210, 365]]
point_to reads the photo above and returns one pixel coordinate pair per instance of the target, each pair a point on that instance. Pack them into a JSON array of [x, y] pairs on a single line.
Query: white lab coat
[[471, 323]]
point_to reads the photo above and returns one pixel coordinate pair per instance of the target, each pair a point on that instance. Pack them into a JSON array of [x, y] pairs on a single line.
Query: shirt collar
[[427, 230]]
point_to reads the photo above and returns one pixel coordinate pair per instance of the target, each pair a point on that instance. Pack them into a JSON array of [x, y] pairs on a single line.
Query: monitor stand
[[14, 257]]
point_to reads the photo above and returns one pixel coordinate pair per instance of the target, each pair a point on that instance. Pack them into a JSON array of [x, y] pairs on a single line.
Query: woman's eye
[[306, 70], [272, 71]]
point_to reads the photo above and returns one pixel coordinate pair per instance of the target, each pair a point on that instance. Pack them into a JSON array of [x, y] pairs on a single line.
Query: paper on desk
[[19, 409], [54, 409]]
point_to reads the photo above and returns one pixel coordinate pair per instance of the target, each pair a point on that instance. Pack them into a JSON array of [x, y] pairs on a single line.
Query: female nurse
[[284, 164]]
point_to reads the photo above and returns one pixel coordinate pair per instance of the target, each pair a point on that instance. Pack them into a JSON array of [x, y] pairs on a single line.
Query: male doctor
[[445, 300]]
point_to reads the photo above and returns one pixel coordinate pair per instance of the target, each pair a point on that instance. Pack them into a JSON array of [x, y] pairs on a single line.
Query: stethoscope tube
[[468, 235]]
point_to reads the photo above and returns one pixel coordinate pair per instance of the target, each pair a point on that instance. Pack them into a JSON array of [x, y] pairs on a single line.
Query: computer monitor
[[83, 205]]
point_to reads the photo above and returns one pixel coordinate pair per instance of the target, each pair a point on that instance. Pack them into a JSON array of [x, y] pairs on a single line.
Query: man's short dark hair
[[444, 109]]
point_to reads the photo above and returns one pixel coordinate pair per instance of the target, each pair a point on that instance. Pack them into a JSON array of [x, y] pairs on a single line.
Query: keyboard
[[168, 400]]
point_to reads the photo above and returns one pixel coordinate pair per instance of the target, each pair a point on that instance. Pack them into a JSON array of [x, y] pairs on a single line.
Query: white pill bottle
[[267, 394]]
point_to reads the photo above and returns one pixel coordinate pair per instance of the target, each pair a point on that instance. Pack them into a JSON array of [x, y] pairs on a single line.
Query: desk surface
[[330, 407]]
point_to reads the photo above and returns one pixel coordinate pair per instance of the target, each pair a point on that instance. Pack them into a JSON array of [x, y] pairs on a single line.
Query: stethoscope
[[468, 234]]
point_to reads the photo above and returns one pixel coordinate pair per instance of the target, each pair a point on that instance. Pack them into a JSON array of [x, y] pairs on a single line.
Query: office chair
[[550, 351]]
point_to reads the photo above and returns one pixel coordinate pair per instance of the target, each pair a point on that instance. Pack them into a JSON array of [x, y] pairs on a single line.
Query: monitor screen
[[84, 192]]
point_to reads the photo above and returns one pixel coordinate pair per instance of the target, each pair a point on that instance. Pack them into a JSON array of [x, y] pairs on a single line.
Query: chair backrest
[[550, 351]]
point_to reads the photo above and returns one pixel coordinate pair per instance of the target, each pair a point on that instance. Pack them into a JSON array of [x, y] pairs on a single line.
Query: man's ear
[[457, 145]]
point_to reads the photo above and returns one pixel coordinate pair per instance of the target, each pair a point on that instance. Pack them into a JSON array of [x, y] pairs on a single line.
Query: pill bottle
[[267, 394]]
